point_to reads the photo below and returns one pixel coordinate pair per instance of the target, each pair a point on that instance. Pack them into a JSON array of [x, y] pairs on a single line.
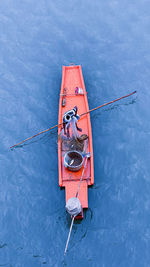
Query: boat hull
[[72, 78]]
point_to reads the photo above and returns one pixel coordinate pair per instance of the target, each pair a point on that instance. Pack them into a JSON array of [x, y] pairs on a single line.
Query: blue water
[[111, 40]]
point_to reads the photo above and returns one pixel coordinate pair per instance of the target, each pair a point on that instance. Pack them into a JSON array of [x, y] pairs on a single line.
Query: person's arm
[[79, 129]]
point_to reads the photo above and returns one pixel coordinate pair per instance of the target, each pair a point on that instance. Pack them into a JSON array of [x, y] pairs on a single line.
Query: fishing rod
[[57, 125]]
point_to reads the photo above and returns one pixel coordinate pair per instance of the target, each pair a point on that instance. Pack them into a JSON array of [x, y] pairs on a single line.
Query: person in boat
[[70, 118]]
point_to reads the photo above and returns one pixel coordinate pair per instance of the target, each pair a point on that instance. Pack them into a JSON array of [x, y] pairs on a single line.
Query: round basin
[[73, 160]]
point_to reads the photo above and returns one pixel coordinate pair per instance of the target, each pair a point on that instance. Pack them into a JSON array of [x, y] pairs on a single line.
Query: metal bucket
[[73, 160]]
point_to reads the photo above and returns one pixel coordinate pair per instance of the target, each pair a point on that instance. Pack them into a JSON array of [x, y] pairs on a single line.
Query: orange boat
[[73, 93]]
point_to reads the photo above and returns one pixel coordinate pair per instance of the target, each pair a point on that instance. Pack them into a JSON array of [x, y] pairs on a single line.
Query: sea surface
[[111, 41]]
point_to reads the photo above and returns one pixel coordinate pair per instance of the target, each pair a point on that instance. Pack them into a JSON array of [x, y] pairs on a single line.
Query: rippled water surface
[[111, 40]]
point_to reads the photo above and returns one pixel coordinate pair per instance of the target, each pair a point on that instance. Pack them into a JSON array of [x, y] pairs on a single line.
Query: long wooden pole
[[57, 125], [113, 101]]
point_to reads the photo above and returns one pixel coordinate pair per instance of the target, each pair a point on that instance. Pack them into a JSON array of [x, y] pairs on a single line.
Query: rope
[[74, 215], [81, 178], [69, 235]]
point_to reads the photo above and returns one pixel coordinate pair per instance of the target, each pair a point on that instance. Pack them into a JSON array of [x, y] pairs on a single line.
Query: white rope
[[74, 215], [81, 177], [69, 235]]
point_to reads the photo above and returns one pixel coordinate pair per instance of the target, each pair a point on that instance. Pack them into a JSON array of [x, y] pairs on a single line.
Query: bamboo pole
[[57, 125]]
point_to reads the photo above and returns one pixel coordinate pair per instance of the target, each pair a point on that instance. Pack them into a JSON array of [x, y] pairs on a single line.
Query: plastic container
[[78, 91], [64, 97]]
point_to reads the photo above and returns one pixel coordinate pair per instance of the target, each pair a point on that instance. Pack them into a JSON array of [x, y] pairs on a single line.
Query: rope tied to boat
[[87, 157], [73, 205]]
